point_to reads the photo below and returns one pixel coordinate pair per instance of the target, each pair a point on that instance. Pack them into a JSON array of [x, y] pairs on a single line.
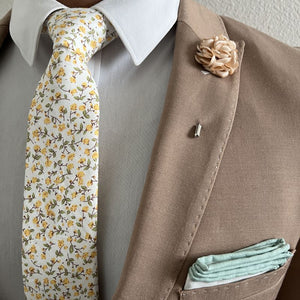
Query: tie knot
[[81, 30]]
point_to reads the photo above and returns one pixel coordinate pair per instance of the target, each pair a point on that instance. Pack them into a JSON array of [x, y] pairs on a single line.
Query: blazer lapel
[[183, 169]]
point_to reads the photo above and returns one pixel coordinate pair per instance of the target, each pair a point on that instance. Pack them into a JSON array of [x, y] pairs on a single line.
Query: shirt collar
[[140, 24]]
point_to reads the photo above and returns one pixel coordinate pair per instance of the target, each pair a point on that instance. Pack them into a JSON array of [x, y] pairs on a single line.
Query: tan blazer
[[235, 185]]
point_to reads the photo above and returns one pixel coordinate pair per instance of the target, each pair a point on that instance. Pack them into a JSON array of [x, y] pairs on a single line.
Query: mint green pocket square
[[258, 258]]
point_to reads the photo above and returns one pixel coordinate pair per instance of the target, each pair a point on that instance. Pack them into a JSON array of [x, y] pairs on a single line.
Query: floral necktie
[[59, 255]]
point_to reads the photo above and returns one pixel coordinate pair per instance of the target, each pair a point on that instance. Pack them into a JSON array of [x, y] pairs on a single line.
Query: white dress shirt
[[132, 74]]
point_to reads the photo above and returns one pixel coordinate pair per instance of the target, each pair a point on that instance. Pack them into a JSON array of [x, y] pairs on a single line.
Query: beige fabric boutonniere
[[218, 55]]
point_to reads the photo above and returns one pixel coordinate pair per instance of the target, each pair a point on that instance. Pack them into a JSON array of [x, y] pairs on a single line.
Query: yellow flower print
[[81, 160], [93, 44], [38, 296], [62, 32], [45, 194], [50, 213], [48, 180], [27, 232], [91, 293], [55, 54], [66, 157], [33, 103], [89, 127], [96, 132], [65, 44], [78, 51], [48, 162], [45, 267], [58, 197], [73, 106], [86, 141], [60, 243], [39, 107], [34, 180], [70, 166], [44, 224], [80, 174], [61, 72], [38, 203], [71, 156], [88, 271], [61, 108], [95, 155], [73, 207], [33, 249], [57, 180], [81, 29], [61, 127], [85, 208], [35, 133], [47, 121]]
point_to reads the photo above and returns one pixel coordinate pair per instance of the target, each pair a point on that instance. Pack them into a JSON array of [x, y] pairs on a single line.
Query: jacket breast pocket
[[261, 287]]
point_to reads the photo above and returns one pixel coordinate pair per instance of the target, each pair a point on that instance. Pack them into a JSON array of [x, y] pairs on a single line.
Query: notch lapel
[[182, 169]]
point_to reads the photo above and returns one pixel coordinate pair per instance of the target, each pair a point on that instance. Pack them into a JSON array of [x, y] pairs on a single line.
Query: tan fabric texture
[[4, 27], [235, 185]]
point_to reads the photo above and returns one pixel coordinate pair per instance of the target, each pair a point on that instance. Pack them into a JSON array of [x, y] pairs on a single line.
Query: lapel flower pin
[[218, 55]]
